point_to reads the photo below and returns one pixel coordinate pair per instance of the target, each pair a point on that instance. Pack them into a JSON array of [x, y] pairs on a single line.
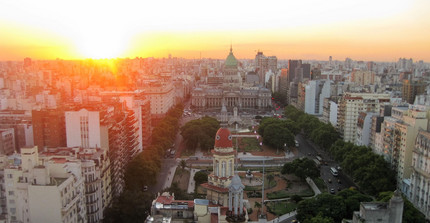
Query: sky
[[378, 30]]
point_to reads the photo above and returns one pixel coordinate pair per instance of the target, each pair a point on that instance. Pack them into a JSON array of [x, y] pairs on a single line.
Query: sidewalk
[[171, 174], [192, 183]]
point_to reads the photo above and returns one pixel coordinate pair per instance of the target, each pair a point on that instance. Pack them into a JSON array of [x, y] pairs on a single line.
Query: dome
[[223, 138], [231, 61], [236, 184]]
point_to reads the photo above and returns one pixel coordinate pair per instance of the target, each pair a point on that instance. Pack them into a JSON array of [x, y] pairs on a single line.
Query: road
[[307, 149]]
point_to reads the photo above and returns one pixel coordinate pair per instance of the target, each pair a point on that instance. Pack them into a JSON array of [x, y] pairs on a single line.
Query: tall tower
[[223, 168]]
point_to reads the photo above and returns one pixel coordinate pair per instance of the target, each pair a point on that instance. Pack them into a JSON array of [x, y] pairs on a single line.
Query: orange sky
[[382, 30]]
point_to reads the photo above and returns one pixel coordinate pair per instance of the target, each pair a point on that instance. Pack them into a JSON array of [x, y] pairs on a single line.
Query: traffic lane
[[305, 149], [338, 183]]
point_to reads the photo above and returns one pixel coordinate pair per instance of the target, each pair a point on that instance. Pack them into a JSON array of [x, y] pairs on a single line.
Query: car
[[145, 188], [332, 191], [329, 180], [294, 221], [339, 182]]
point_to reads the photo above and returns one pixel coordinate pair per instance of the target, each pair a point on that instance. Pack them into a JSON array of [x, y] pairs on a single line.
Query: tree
[[301, 168], [183, 164], [276, 135], [325, 204], [319, 219], [200, 132], [201, 177]]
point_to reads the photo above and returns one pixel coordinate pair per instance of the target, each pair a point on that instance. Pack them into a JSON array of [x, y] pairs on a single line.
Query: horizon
[[382, 31]]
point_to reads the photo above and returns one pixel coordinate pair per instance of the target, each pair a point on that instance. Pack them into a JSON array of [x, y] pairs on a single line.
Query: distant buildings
[[230, 90]]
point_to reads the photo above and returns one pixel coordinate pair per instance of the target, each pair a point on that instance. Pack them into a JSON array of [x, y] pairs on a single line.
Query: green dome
[[231, 61]]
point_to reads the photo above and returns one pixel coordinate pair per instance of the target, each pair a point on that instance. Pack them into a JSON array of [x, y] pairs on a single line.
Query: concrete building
[[110, 126], [364, 126], [380, 212], [349, 107], [405, 136], [410, 89], [7, 141], [49, 128], [363, 77], [95, 173], [21, 123], [59, 186], [315, 93], [420, 177]]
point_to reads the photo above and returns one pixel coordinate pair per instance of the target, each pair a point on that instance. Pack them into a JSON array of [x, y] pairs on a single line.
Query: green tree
[[183, 164], [201, 177], [325, 204], [319, 219], [302, 168]]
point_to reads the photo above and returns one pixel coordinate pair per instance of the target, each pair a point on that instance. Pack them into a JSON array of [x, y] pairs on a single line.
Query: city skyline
[[364, 30]]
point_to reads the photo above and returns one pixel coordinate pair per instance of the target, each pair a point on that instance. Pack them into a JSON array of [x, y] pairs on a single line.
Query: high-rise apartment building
[[410, 89], [349, 107], [49, 128], [107, 126], [420, 179]]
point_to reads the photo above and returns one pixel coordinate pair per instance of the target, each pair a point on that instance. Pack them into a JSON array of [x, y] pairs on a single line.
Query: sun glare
[[99, 47]]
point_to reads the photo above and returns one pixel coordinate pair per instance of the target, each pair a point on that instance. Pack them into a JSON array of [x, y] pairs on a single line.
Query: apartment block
[[7, 141], [49, 128], [108, 126], [420, 177], [95, 172], [59, 186], [350, 105]]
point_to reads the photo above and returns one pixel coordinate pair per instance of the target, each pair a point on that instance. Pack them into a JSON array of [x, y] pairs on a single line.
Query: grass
[[182, 177], [320, 184], [285, 194], [282, 207], [249, 144]]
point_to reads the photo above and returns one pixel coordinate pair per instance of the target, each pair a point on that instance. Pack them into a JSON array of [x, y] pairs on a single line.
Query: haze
[[362, 30]]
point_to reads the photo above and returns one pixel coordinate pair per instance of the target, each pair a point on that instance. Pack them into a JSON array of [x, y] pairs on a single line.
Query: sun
[[101, 46]]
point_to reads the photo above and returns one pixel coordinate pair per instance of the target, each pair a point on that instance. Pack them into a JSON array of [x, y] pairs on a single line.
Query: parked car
[[332, 191]]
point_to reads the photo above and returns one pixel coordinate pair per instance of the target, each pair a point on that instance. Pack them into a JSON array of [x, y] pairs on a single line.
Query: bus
[[317, 163], [333, 171]]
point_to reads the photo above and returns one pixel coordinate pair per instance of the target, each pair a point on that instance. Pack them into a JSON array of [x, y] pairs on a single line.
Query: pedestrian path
[[192, 182], [170, 175]]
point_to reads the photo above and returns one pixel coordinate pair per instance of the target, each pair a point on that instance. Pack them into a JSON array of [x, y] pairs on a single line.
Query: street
[[306, 149]]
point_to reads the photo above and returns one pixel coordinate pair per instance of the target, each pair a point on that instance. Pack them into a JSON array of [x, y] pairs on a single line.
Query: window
[[180, 214], [11, 193]]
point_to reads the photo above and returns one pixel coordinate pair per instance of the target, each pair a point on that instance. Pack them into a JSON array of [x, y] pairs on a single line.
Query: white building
[[83, 129], [315, 92], [364, 126], [44, 191], [420, 179], [349, 107]]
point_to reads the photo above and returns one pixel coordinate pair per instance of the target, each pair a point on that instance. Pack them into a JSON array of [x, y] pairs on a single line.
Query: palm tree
[[257, 205], [183, 164]]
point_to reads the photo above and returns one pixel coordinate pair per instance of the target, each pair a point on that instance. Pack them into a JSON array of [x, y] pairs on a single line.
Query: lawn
[[281, 208], [249, 144], [284, 194], [182, 177]]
